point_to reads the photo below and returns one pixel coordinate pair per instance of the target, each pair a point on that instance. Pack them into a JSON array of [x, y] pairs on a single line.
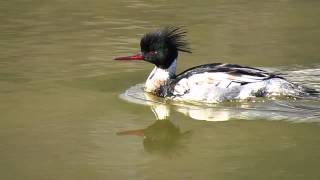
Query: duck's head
[[161, 47]]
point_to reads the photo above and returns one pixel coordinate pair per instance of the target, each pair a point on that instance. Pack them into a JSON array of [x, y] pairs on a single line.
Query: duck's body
[[219, 82], [208, 83]]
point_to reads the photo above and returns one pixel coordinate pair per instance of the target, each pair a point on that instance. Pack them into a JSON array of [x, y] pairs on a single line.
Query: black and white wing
[[217, 75]]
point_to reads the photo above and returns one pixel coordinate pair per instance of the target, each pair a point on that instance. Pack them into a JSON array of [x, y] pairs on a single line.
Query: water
[[67, 111]]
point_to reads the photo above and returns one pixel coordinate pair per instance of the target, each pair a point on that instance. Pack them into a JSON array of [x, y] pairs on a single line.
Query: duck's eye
[[152, 52]]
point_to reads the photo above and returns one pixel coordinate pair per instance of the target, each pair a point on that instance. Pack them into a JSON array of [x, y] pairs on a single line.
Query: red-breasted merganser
[[209, 83]]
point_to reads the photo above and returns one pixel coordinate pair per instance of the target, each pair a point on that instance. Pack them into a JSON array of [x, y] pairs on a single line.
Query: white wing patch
[[215, 87], [211, 80]]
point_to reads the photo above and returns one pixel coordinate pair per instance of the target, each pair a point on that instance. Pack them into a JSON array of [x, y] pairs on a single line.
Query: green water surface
[[61, 116]]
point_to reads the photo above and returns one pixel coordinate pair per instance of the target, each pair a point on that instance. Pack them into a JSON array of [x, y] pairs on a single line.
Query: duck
[[208, 83]]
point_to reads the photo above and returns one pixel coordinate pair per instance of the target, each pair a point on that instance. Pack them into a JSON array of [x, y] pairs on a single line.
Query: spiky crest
[[172, 36]]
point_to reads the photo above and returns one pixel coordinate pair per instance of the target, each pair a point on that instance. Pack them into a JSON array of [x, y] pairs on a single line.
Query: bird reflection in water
[[163, 136]]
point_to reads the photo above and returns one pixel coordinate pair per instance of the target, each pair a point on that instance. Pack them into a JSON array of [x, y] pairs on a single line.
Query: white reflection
[[161, 111]]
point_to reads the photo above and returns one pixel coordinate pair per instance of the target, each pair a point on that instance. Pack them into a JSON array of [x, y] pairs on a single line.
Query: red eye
[[152, 52]]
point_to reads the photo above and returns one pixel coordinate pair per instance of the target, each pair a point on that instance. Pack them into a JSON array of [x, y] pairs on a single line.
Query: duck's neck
[[159, 77]]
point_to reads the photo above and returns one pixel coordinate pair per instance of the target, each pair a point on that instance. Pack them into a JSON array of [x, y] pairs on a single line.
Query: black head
[[161, 47]]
